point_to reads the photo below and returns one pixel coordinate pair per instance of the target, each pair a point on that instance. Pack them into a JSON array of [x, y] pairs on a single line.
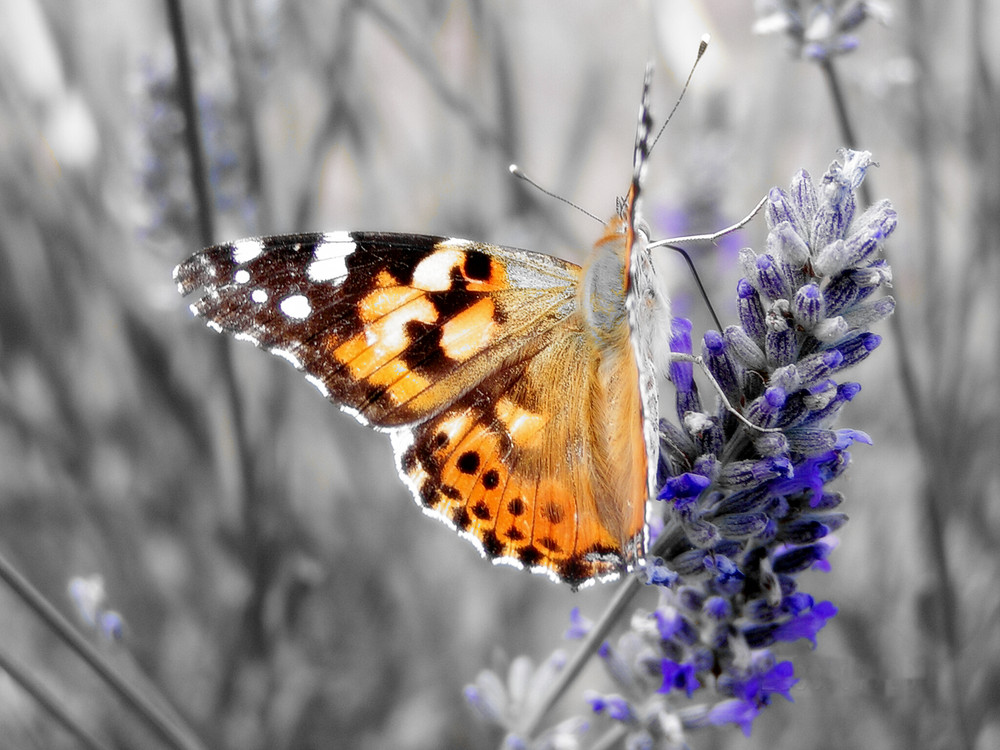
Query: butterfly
[[518, 389]]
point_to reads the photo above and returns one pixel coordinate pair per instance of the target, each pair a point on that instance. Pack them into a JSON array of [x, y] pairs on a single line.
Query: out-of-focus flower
[[818, 29], [90, 600]]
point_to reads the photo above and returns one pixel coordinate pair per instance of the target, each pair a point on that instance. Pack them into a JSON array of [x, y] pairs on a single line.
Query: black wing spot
[[409, 460], [481, 511], [575, 571], [514, 534], [477, 265], [491, 479], [516, 506], [550, 544], [468, 462], [552, 512], [461, 518], [529, 555], [423, 347], [492, 545], [428, 494]]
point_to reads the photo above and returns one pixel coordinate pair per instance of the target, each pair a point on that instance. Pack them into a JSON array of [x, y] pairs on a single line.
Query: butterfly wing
[[508, 422], [392, 327], [527, 464]]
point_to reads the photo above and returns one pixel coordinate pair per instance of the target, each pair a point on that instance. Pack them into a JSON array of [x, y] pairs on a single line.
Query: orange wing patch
[[523, 427], [515, 517], [385, 336]]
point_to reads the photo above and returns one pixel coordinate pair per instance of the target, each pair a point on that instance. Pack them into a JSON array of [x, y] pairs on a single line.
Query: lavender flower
[[745, 511], [90, 600], [500, 703], [818, 29]]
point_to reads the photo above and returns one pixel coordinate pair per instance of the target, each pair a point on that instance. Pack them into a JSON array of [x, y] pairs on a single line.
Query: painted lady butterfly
[[518, 389]]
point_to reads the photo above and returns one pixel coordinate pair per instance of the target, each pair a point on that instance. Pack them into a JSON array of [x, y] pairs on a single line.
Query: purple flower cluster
[[745, 510]]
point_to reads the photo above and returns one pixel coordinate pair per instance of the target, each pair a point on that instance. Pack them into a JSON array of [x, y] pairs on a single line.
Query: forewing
[[393, 327]]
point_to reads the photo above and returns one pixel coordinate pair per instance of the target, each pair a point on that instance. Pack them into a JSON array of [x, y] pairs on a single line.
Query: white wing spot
[[330, 257], [246, 250], [242, 276], [285, 354], [433, 273], [259, 296], [296, 306]]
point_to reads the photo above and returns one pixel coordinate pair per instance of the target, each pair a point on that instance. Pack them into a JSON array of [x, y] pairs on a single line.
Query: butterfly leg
[[714, 235], [697, 360]]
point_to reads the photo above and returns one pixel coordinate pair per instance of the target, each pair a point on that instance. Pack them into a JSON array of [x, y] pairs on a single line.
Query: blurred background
[[277, 584]]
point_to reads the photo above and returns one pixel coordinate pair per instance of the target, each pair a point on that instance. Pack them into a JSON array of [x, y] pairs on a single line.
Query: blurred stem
[[843, 118], [934, 491], [904, 356], [610, 739], [192, 129], [588, 647], [422, 58], [169, 731], [670, 543], [48, 701], [939, 483], [244, 62], [250, 494], [337, 107]]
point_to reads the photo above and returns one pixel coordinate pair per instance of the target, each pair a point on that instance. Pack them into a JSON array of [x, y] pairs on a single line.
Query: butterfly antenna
[[702, 46], [516, 171]]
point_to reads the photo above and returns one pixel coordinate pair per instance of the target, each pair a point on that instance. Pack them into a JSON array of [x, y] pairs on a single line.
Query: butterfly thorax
[[601, 295]]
